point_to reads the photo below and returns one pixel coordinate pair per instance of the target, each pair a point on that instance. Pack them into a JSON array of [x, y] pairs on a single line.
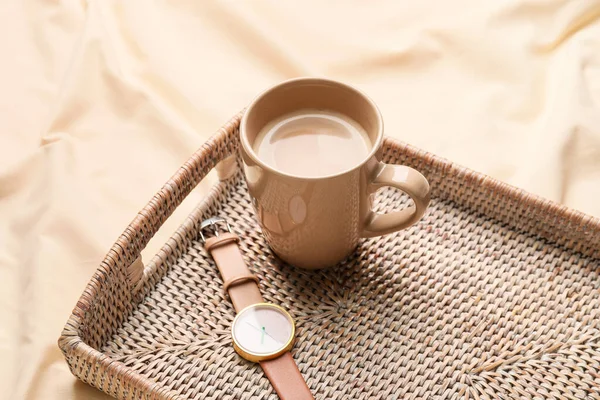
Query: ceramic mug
[[316, 222]]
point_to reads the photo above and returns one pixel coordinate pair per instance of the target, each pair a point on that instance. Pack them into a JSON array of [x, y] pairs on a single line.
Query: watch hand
[[253, 326], [267, 333], [262, 331], [262, 337]]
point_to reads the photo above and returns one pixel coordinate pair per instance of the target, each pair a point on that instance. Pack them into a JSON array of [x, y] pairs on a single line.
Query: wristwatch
[[262, 332]]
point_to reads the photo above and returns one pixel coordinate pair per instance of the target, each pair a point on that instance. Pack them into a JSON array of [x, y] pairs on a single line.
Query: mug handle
[[411, 182]]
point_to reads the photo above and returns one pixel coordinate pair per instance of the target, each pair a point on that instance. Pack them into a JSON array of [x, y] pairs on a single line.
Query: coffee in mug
[[312, 143]]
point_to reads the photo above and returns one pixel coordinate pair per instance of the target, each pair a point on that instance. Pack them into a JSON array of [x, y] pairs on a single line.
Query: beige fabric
[[102, 100]]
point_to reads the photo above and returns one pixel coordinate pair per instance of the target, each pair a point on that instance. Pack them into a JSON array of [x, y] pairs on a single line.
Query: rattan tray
[[494, 294]]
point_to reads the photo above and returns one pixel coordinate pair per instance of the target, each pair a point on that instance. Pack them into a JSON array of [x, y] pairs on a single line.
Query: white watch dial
[[263, 329]]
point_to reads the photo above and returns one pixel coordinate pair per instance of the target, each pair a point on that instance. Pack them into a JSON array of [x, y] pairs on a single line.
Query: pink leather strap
[[243, 290], [231, 265], [286, 378]]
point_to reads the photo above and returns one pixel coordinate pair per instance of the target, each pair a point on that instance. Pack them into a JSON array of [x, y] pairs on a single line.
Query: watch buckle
[[214, 224]]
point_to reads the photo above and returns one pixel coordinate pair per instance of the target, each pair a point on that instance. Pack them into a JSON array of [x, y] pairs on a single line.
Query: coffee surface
[[312, 143]]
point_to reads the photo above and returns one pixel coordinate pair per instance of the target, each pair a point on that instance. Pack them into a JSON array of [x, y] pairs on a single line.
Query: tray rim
[[115, 378]]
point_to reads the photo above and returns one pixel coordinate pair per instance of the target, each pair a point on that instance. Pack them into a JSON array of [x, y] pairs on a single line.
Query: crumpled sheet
[[101, 101]]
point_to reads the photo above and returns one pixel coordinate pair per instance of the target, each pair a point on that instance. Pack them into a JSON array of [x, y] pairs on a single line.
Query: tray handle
[[218, 148]]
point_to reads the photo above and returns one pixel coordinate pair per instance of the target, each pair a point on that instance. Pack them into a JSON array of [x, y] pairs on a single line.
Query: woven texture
[[495, 293]]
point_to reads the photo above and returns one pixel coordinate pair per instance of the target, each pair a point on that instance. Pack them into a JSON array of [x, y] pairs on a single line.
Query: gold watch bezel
[[257, 357]]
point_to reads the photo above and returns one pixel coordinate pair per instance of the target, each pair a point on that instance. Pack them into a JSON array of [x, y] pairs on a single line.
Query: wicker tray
[[494, 294]]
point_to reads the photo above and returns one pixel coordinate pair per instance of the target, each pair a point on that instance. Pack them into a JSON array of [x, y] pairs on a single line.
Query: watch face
[[262, 330]]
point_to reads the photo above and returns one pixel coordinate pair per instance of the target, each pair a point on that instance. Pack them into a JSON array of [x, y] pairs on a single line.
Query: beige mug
[[315, 222]]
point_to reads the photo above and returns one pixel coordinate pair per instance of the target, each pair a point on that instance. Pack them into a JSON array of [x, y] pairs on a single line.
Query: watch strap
[[240, 283], [286, 378]]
